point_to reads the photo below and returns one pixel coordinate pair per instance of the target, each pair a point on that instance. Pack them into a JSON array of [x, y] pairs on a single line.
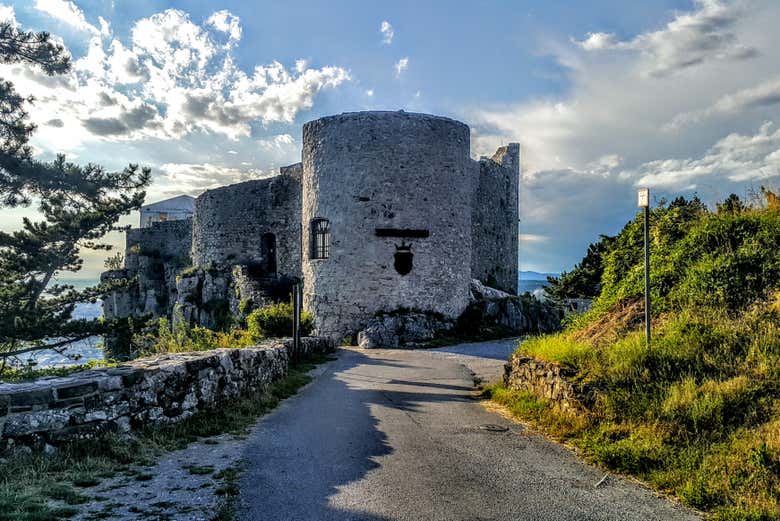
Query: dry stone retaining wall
[[548, 381], [161, 389]]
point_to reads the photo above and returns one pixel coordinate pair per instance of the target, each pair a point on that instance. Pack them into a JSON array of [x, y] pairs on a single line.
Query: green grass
[[696, 415], [34, 487]]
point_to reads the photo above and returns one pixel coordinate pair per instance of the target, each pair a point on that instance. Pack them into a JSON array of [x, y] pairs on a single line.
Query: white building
[[173, 209]]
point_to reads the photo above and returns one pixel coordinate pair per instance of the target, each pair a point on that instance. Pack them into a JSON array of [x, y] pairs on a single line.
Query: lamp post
[[643, 201]]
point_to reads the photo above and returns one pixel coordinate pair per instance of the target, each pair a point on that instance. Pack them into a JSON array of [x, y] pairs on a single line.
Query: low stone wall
[[161, 389], [548, 381]]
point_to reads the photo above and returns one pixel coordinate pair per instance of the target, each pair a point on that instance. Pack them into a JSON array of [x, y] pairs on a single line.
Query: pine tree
[[78, 205]]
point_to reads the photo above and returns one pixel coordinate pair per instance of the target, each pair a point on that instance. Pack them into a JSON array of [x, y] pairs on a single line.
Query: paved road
[[399, 435]]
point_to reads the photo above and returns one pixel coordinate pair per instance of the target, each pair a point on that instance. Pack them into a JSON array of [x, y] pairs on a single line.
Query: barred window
[[320, 239]]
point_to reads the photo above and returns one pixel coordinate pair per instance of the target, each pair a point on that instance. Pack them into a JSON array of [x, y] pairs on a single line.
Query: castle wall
[[494, 220], [229, 222], [154, 255], [165, 240], [398, 172]]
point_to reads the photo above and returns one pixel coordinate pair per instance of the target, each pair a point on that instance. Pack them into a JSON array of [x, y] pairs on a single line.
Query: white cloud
[[401, 65], [734, 158], [370, 92], [584, 152], [170, 80], [227, 23], [194, 178], [67, 12], [105, 27], [763, 95], [598, 41], [8, 15], [688, 40], [612, 108], [277, 142], [532, 237], [387, 32]]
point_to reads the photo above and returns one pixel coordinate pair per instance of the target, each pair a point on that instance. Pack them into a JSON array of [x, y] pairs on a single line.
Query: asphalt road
[[400, 435]]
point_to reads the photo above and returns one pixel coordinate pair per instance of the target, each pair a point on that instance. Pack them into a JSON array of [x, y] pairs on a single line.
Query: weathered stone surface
[[73, 391], [516, 314], [495, 219], [229, 223], [31, 397], [154, 255], [160, 389], [402, 330], [389, 170], [548, 381], [479, 291], [24, 424]]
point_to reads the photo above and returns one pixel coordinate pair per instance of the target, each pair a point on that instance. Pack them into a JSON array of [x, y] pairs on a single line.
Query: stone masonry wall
[[398, 172], [494, 220], [160, 389], [547, 381], [229, 223], [154, 254]]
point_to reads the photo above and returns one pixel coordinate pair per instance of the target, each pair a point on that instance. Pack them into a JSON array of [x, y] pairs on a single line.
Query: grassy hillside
[[698, 413]]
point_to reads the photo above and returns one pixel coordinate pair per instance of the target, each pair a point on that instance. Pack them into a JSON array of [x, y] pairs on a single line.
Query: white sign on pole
[[643, 198]]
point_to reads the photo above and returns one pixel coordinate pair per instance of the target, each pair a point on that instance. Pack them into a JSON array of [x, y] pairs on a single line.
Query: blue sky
[[604, 96]]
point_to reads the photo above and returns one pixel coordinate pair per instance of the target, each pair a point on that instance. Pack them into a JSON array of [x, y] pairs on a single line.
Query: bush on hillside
[[696, 414], [584, 281], [276, 321], [729, 258]]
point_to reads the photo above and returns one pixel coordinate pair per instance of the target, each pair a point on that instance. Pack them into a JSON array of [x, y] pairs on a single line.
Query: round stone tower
[[386, 217]]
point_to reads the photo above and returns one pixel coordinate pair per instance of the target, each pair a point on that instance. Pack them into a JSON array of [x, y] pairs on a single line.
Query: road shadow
[[301, 455]]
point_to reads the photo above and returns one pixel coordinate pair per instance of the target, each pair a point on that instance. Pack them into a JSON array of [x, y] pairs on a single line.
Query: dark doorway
[[268, 252]]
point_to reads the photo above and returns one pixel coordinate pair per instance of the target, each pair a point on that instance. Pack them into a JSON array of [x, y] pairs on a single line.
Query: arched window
[[320, 239]]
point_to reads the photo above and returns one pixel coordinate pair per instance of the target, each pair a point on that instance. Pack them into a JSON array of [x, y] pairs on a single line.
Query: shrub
[[181, 337], [245, 306], [276, 321], [697, 413]]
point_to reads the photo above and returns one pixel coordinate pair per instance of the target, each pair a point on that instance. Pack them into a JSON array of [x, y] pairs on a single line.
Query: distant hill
[[535, 275]]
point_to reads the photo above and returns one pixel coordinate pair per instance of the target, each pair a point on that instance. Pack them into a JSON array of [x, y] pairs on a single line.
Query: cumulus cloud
[[636, 112], [8, 15], [227, 23], [277, 142], [688, 40], [734, 158], [387, 32], [171, 79], [194, 178], [68, 13], [400, 66], [763, 95]]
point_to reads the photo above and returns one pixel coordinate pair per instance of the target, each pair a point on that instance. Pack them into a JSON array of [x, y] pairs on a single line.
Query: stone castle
[[386, 211]]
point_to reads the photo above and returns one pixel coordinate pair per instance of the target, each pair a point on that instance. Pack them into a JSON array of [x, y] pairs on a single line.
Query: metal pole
[[296, 318], [647, 275]]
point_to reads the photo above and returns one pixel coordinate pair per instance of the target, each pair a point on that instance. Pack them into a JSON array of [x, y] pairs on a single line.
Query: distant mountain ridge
[[535, 275]]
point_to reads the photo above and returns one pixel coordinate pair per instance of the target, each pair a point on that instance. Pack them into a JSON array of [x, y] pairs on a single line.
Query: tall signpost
[[643, 201]]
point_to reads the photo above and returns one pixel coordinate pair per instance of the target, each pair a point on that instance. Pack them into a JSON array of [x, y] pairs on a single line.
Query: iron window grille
[[320, 234]]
